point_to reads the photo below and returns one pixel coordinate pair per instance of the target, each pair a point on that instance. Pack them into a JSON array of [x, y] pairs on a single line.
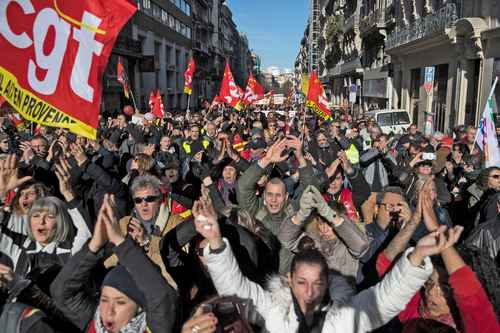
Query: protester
[[259, 220]]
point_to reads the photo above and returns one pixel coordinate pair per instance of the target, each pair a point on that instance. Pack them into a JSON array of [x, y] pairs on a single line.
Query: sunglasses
[[148, 199]]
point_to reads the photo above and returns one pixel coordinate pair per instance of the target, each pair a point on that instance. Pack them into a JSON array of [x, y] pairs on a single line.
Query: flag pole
[[133, 100], [188, 101]]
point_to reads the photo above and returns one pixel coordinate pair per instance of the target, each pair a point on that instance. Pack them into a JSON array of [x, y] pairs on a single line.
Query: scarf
[[135, 325]]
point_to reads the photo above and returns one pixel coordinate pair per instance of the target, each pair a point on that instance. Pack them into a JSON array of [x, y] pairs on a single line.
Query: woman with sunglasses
[[150, 220], [489, 181]]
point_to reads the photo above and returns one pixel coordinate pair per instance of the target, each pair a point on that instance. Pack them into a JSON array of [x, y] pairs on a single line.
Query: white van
[[391, 121]]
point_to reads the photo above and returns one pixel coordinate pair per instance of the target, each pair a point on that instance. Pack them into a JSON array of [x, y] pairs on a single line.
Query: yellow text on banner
[[318, 111], [37, 110]]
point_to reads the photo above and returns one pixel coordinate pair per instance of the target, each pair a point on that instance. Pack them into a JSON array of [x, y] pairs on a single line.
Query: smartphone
[[429, 156]]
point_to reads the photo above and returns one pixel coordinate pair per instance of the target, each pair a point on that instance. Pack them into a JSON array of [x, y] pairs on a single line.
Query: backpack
[[14, 314]]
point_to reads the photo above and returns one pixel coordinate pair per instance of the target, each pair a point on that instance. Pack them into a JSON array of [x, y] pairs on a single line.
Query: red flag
[[156, 104], [316, 98], [2, 100], [54, 57], [217, 101], [229, 90], [254, 91], [121, 76], [188, 77]]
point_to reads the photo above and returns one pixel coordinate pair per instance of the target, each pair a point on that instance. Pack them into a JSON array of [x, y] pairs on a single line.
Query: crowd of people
[[225, 221]]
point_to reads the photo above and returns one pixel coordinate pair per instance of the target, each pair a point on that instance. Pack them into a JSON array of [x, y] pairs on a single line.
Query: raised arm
[[246, 186], [83, 233], [222, 265], [475, 308], [375, 306], [355, 239]]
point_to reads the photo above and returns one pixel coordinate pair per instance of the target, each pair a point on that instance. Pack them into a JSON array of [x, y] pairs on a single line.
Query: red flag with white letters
[[254, 91], [54, 54], [229, 91], [188, 77]]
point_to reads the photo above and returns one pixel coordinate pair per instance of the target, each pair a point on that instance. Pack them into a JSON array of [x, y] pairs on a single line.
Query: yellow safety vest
[[187, 145]]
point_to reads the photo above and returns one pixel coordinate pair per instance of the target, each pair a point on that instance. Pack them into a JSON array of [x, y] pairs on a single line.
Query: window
[[177, 26], [401, 118], [384, 119], [188, 9], [171, 22], [164, 16], [156, 11], [188, 33], [146, 4]]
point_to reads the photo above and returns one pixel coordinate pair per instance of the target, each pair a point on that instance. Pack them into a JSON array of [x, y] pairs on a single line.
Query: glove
[[306, 204], [323, 209]]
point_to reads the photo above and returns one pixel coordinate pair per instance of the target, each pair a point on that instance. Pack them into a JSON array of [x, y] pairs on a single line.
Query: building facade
[[155, 47], [382, 47]]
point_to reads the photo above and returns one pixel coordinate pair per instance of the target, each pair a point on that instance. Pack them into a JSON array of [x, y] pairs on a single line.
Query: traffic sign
[[429, 79]]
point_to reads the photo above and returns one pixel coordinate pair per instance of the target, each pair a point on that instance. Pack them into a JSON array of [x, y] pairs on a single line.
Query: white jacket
[[365, 312]]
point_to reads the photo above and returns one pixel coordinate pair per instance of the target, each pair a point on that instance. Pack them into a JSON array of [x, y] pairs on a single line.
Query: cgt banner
[[54, 54]]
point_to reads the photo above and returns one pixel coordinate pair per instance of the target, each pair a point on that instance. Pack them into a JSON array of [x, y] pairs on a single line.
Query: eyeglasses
[[148, 199]]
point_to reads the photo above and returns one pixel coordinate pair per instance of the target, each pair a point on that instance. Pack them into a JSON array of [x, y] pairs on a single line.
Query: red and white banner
[[188, 77], [229, 91], [254, 91], [54, 54]]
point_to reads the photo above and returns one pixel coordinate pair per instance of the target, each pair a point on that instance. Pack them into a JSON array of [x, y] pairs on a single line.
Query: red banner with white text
[[54, 54]]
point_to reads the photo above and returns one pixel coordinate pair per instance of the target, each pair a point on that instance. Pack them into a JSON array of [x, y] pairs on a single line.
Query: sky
[[274, 28]]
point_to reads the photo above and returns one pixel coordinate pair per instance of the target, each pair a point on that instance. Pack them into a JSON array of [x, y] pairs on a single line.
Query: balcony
[[200, 47], [430, 25], [372, 21], [128, 46]]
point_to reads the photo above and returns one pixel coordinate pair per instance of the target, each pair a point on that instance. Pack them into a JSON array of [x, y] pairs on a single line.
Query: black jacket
[[80, 306]]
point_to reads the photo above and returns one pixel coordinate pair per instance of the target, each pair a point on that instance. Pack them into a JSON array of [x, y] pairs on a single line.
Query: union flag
[[156, 104], [121, 76], [188, 77], [316, 98], [254, 91], [229, 91]]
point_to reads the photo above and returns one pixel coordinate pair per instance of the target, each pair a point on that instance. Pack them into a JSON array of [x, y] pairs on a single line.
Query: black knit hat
[[120, 279], [196, 147]]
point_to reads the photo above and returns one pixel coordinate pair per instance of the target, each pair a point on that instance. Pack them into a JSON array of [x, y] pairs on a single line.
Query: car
[[391, 121]]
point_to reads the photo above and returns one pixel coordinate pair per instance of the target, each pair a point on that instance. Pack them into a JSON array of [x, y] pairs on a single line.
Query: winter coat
[[342, 253], [80, 305], [363, 313], [475, 309], [29, 256], [164, 223], [245, 191]]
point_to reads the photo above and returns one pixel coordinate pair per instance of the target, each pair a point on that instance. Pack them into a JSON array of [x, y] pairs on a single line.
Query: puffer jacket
[[365, 312]]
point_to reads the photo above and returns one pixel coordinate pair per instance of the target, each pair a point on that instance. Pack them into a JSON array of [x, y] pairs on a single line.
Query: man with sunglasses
[[150, 220]]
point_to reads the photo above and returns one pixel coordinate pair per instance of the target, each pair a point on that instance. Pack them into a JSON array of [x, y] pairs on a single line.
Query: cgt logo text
[[50, 28]]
